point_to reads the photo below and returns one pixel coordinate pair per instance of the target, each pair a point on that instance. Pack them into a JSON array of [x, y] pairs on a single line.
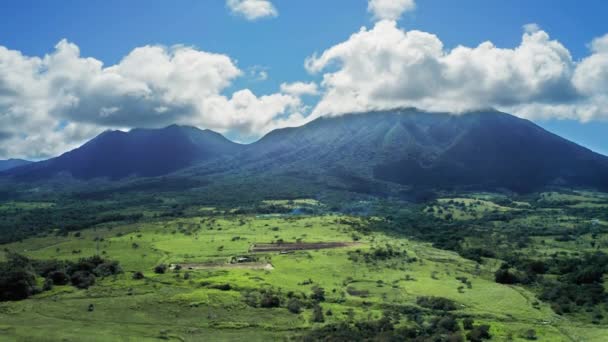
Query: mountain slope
[[387, 152], [12, 163], [139, 152], [411, 149]]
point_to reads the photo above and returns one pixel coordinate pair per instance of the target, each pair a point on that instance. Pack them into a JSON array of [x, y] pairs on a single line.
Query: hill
[[12, 163], [480, 150], [139, 152]]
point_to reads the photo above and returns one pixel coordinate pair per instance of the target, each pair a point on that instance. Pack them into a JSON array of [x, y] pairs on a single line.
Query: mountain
[[12, 163], [372, 152], [139, 152], [384, 152]]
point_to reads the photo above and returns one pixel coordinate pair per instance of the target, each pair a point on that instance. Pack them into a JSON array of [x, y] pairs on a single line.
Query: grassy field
[[210, 301], [459, 208]]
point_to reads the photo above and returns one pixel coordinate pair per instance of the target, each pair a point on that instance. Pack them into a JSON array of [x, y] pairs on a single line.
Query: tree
[[83, 279], [530, 334], [160, 269], [17, 278], [467, 323], [479, 333], [48, 285], [318, 294], [59, 277], [294, 305], [270, 300], [317, 314], [503, 276]]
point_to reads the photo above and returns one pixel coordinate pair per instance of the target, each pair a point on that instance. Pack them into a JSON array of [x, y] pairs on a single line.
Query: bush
[[294, 305], [318, 294], [48, 285], [160, 269], [107, 268], [59, 278], [503, 276], [222, 287], [479, 333], [138, 275], [436, 303], [83, 279], [17, 278], [317, 314], [270, 300], [530, 334], [467, 323]]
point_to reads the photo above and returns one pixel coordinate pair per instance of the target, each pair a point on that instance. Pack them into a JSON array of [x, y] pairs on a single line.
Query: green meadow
[[204, 295]]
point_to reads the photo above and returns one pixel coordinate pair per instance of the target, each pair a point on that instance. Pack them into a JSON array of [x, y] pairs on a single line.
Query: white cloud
[[252, 9], [53, 103], [386, 67], [531, 28], [257, 73], [300, 88], [389, 9]]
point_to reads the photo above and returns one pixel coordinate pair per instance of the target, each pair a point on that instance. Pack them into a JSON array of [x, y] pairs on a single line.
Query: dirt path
[[297, 246], [245, 265]]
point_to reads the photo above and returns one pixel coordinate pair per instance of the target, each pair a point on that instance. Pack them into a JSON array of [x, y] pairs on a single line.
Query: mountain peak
[[378, 151], [117, 154]]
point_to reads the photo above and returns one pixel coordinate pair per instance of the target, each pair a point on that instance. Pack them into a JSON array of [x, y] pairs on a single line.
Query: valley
[[198, 276]]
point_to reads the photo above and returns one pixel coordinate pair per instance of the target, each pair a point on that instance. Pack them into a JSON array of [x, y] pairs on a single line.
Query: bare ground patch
[[297, 246], [244, 265]]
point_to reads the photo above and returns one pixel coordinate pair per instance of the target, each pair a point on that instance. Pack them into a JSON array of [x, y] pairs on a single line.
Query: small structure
[[240, 259]]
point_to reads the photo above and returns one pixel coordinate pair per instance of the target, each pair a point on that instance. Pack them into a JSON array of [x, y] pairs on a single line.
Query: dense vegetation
[[18, 274], [454, 267]]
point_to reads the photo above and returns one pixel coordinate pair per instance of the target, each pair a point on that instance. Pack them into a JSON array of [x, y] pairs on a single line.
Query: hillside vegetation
[[486, 267]]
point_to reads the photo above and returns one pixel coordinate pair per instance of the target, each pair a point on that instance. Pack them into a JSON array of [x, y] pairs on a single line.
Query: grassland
[[212, 303]]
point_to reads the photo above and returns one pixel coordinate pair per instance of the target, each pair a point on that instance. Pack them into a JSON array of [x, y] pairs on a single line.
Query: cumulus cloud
[[252, 9], [52, 103], [386, 67], [389, 9], [300, 88]]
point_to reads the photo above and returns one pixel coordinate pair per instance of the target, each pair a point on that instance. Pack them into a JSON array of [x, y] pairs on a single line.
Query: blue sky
[[279, 46]]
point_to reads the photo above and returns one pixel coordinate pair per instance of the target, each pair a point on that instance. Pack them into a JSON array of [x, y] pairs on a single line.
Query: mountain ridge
[[117, 154], [11, 163], [362, 152]]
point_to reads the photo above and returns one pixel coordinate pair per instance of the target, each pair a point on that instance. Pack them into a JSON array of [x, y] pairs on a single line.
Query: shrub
[[17, 278], [107, 268], [138, 275], [270, 300], [318, 294], [530, 335], [83, 279], [503, 276], [48, 285], [294, 305], [436, 303], [59, 277], [317, 314], [467, 323], [222, 287], [160, 269], [479, 333]]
